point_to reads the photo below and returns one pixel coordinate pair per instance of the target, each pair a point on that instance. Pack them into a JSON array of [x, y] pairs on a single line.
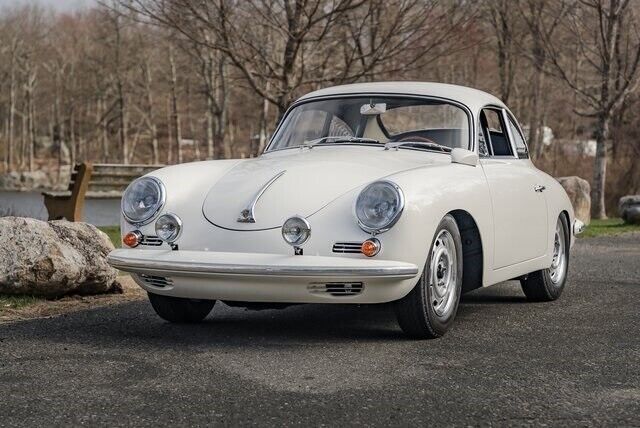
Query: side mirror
[[464, 157]]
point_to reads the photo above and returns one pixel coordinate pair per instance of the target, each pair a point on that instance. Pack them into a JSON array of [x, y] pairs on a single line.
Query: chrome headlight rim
[[178, 223], [401, 203], [162, 199], [307, 226]]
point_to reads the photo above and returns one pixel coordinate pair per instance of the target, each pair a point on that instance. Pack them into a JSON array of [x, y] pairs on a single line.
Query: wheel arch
[[472, 252], [569, 230]]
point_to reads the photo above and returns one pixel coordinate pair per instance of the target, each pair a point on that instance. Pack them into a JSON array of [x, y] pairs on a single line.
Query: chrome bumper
[[211, 264]]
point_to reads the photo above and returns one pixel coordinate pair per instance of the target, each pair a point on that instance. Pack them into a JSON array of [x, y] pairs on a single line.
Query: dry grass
[[15, 308]]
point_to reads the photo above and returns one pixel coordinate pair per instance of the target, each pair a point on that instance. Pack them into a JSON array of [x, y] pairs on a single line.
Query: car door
[[518, 202]]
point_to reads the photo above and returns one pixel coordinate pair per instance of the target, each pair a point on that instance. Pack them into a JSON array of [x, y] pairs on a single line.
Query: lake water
[[100, 212]]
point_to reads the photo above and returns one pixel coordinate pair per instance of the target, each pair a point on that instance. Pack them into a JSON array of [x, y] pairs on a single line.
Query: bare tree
[[612, 59], [503, 24]]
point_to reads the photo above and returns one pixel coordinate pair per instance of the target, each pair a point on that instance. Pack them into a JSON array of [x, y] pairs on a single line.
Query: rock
[[579, 192], [54, 258], [629, 209]]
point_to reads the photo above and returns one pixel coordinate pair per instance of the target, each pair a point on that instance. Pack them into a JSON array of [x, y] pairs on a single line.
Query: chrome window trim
[[156, 213], [375, 231], [465, 108]]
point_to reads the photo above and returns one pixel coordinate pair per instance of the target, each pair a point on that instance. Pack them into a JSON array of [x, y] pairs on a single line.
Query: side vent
[[347, 247], [150, 240], [156, 281], [337, 288]]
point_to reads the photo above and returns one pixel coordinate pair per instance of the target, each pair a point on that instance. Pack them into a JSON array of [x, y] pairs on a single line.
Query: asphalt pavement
[[572, 362]]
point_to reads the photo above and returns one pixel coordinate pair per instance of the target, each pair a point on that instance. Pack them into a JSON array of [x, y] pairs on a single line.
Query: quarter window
[[521, 146], [492, 123]]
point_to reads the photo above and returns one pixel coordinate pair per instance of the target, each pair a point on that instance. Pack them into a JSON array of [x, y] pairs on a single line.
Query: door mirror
[[464, 157]]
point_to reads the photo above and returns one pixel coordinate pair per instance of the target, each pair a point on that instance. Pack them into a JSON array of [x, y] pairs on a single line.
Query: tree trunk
[[598, 207], [153, 128], [209, 117], [169, 133], [104, 138], [535, 125], [12, 115], [174, 105], [263, 135]]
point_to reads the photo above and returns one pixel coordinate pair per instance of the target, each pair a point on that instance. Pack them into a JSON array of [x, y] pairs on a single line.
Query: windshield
[[375, 120]]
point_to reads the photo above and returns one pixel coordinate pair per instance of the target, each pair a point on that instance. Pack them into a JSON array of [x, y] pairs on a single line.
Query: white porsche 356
[[403, 192]]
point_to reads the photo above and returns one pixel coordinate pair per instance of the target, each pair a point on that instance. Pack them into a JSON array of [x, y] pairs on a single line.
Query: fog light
[[371, 247], [168, 227], [132, 239], [296, 231]]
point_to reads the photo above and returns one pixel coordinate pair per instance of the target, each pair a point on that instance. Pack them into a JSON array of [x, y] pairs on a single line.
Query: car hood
[[299, 182]]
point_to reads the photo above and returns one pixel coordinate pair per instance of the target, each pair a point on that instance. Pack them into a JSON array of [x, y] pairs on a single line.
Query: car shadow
[[135, 324]]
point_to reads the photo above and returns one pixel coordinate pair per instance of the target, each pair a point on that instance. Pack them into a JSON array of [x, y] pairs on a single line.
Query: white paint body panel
[[515, 223]]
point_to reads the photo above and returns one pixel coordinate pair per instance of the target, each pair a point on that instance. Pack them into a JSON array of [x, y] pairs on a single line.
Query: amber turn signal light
[[132, 239], [370, 247]]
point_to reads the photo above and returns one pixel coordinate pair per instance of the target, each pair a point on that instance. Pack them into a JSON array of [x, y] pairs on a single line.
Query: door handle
[[539, 187]]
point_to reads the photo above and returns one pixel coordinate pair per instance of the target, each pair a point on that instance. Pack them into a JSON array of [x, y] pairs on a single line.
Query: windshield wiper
[[337, 140], [425, 144]]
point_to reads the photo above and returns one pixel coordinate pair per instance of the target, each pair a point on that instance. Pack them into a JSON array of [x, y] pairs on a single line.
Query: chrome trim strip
[[206, 269], [248, 215]]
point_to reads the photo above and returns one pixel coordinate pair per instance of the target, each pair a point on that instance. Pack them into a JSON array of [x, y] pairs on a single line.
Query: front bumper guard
[[212, 264]]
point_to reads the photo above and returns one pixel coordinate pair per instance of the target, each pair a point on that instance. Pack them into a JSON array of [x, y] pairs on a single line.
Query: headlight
[[296, 231], [142, 200], [379, 206], [168, 227]]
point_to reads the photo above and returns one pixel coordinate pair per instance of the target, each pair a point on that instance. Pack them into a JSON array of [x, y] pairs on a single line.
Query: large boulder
[[629, 209], [54, 258], [579, 192]]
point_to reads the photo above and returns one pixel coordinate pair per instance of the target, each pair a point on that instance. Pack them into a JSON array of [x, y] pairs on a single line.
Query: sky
[[61, 5]]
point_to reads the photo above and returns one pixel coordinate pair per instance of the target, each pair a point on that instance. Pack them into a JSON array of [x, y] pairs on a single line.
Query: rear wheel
[[179, 310], [429, 309], [547, 284]]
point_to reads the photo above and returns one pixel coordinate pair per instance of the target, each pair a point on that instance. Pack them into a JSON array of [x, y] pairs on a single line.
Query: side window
[[518, 139], [495, 132]]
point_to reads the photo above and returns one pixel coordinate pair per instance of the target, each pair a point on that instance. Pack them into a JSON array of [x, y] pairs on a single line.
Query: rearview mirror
[[464, 157], [373, 109]]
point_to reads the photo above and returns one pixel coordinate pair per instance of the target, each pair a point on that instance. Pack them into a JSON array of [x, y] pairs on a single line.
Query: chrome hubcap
[[443, 273], [559, 262]]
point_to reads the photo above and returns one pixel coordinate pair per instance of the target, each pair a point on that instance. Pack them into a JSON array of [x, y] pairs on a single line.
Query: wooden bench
[[92, 181]]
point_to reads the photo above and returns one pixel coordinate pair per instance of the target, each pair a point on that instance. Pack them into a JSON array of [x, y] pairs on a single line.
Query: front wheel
[[179, 310], [547, 284], [428, 311]]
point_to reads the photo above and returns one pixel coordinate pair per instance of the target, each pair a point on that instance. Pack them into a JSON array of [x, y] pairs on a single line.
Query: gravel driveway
[[572, 362]]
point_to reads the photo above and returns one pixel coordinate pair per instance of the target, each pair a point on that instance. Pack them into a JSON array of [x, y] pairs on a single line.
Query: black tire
[[415, 312], [178, 310], [540, 286]]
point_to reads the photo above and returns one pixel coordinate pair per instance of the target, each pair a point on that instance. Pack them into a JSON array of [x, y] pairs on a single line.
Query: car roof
[[474, 99]]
